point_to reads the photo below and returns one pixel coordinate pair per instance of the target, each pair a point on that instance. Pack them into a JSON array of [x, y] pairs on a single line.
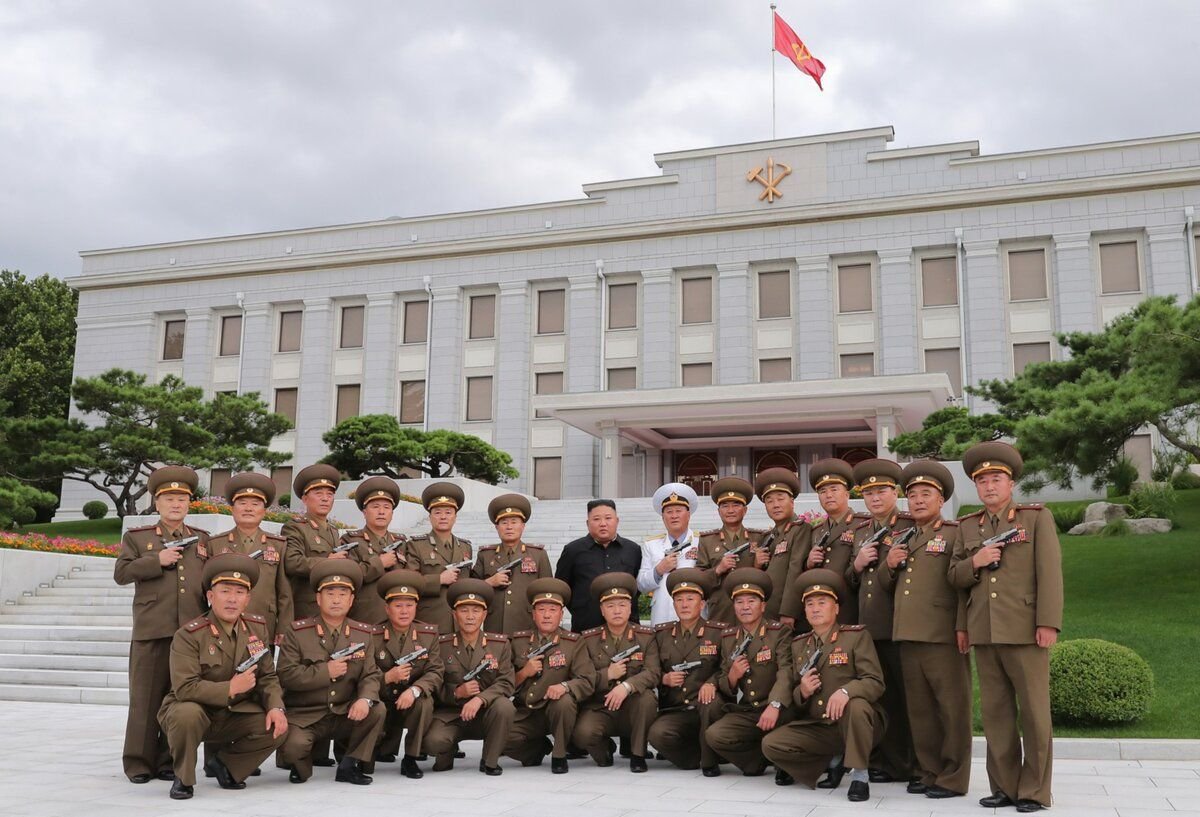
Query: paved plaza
[[65, 761]]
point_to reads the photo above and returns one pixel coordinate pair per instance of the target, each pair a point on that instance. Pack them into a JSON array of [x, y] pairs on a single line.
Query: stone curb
[[1114, 749]]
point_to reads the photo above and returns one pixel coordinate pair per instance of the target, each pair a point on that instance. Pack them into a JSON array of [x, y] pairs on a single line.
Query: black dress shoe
[[915, 786], [529, 764], [604, 759], [349, 772], [294, 776], [558, 765], [575, 753], [782, 778], [625, 752], [410, 769], [166, 774], [997, 800], [141, 778], [224, 776], [879, 776], [389, 757], [256, 773], [637, 764], [833, 778], [859, 791], [324, 761], [759, 772], [459, 754], [1028, 806], [490, 771], [711, 771], [936, 792], [180, 791]]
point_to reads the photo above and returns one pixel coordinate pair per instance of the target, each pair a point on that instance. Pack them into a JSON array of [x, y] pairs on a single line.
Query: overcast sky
[[139, 122]]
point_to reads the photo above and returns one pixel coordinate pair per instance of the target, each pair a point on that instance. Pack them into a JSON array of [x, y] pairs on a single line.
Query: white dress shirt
[[661, 607]]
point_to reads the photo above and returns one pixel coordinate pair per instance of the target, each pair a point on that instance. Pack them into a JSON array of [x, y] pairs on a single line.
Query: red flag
[[788, 44]]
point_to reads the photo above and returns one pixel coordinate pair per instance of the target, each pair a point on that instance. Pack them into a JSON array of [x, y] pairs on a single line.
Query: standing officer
[[167, 594], [310, 536], [688, 701], [786, 544], [510, 609], [878, 481], [331, 697], [732, 496], [756, 675], [478, 708], [376, 548], [434, 553], [554, 673], [676, 503], [1013, 619], [623, 702], [929, 621], [602, 551], [239, 713], [410, 659], [837, 699]]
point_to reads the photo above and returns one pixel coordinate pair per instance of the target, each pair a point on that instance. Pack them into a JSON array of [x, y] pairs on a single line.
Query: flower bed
[[59, 544]]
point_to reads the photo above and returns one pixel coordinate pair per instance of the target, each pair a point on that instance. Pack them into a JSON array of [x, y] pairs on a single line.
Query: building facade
[[753, 305]]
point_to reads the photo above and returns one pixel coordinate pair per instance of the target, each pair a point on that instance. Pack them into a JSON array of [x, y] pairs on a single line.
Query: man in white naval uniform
[[676, 502]]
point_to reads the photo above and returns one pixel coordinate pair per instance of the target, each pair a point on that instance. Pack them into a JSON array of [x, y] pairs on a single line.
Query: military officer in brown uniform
[[688, 701], [879, 480], [755, 676], [786, 545], [554, 673], [376, 548], [331, 697], [929, 622], [310, 536], [239, 713], [837, 699], [732, 495], [510, 610], [249, 495], [410, 659], [475, 708], [1014, 615], [623, 702], [434, 554], [167, 594]]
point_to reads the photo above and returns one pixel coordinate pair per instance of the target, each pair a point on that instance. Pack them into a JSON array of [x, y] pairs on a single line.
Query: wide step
[[72, 678], [10, 631], [77, 617], [64, 694], [82, 600], [77, 662], [23, 646]]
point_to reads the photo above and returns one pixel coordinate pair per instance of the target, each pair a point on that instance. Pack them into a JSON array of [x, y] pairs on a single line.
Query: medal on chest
[[708, 649], [557, 659], [838, 657], [936, 545], [847, 537], [528, 565], [762, 655]]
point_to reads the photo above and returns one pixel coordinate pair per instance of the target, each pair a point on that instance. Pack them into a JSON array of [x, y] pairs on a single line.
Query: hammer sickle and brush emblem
[[771, 181]]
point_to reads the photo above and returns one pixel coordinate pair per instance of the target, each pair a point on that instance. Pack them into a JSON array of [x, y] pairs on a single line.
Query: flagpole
[[772, 71]]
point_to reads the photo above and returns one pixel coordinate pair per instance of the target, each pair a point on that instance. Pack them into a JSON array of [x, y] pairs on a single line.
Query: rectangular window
[[1119, 268], [412, 401], [945, 360], [776, 370], [939, 282], [173, 332], [290, 324], [547, 477], [231, 335], [622, 379], [483, 317], [1027, 275], [347, 402], [416, 321], [551, 319], [861, 365], [697, 300], [854, 288], [548, 383], [285, 403], [775, 294], [697, 374], [622, 306], [282, 477], [479, 398], [217, 479], [1026, 353], [352, 327]]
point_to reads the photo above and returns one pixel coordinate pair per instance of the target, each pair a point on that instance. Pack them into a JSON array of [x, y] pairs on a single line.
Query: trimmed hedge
[[95, 509], [1098, 682]]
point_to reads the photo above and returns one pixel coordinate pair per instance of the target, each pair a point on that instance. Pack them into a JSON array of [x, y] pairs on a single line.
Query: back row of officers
[[826, 649]]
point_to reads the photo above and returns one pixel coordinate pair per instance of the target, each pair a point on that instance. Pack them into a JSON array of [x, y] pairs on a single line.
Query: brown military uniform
[[788, 545], [368, 550], [429, 556], [839, 553], [678, 733], [496, 686], [316, 706], [632, 721], [714, 544], [204, 657], [164, 600], [510, 610], [308, 541], [426, 676], [566, 663], [271, 597]]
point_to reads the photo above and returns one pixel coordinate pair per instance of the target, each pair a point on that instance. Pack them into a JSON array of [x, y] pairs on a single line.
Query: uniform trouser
[[146, 750], [359, 738], [415, 720], [679, 735], [804, 749], [527, 740], [632, 722], [894, 754], [937, 688], [737, 738], [491, 725], [1014, 686], [239, 739]]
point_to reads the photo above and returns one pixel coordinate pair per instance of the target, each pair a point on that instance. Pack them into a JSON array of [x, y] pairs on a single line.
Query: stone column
[[885, 431], [199, 348], [1074, 283], [898, 311], [257, 346], [444, 383], [584, 374], [660, 362], [983, 339], [314, 404], [1169, 272], [511, 426], [610, 460], [379, 355], [814, 326], [734, 351]]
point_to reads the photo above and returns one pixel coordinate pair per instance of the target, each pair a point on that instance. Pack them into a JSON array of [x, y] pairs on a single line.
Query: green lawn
[[105, 531]]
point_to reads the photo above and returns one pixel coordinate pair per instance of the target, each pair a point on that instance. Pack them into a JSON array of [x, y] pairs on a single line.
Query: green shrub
[[1098, 682], [1154, 499], [1185, 481], [1121, 476], [1067, 517], [95, 509], [644, 602], [284, 501], [1167, 460], [1117, 527]]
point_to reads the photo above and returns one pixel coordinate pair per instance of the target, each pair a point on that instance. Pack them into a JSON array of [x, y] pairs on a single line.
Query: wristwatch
[[628, 686], [844, 692], [776, 704], [416, 692]]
